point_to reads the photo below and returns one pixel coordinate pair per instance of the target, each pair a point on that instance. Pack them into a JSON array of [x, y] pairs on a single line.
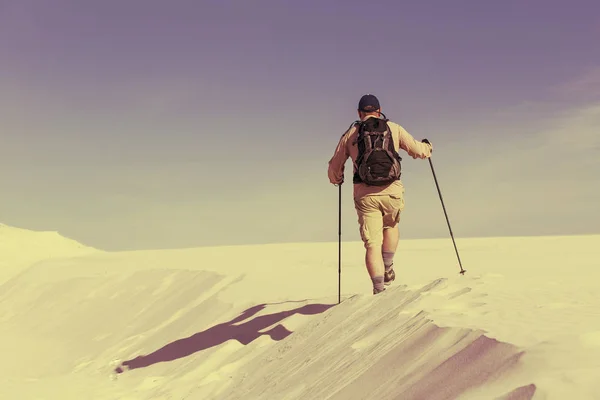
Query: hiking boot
[[375, 291], [389, 276]]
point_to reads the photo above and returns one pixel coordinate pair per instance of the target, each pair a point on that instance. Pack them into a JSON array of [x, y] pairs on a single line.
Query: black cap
[[368, 103]]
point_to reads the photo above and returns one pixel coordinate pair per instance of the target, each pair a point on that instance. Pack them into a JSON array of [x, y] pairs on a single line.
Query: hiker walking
[[373, 143]]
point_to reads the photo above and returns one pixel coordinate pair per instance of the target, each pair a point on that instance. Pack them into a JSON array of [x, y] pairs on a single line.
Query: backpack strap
[[352, 125], [388, 143], [368, 143], [357, 122]]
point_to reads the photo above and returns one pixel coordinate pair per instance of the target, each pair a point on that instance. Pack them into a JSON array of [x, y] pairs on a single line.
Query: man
[[378, 203]]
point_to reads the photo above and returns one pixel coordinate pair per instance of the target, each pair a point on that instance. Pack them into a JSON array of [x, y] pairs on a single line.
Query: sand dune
[[20, 248], [262, 322]]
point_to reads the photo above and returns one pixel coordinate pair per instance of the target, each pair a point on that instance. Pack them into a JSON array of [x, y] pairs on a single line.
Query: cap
[[368, 103]]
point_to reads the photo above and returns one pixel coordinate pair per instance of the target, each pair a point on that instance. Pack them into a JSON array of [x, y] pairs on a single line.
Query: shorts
[[376, 213]]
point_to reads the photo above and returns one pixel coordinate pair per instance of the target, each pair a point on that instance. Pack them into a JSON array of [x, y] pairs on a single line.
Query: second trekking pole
[[340, 243], [462, 271]]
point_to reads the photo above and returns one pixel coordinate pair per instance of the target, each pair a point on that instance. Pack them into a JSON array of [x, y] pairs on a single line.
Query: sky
[[152, 124]]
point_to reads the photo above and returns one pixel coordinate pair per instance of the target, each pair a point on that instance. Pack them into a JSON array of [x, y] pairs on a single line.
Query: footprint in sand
[[459, 293], [434, 286], [556, 306], [482, 279], [472, 297]]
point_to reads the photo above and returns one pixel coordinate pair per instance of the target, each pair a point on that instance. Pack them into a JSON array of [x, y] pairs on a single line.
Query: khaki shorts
[[376, 213]]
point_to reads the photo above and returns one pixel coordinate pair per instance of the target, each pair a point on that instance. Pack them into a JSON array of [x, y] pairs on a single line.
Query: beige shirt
[[347, 147]]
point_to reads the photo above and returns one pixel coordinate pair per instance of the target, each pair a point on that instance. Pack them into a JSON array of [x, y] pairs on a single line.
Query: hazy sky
[[157, 124]]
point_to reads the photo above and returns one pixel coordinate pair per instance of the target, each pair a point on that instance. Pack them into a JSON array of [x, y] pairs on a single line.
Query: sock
[[388, 259], [378, 283]]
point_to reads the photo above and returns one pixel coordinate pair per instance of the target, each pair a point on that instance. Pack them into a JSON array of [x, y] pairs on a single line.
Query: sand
[[262, 322], [21, 248]]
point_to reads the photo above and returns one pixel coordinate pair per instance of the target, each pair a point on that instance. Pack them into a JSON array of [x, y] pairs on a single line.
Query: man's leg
[[390, 244], [371, 232], [374, 261], [392, 207]]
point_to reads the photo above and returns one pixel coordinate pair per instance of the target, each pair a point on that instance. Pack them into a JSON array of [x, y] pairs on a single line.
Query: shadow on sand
[[219, 334]]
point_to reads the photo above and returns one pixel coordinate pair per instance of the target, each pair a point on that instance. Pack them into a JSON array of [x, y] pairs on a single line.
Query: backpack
[[378, 162]]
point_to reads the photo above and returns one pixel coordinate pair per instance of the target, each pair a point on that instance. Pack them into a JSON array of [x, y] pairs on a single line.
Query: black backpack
[[378, 162]]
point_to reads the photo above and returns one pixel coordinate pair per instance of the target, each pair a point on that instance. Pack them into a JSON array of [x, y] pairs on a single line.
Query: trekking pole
[[339, 243], [462, 271]]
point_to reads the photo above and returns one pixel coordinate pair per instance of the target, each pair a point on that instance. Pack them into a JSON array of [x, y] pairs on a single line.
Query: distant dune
[[20, 248], [262, 322]]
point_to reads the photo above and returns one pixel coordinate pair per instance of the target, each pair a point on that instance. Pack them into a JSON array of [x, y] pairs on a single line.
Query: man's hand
[[429, 143]]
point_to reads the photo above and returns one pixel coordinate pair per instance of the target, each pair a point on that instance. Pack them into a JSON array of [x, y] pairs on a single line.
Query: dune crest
[[367, 348]]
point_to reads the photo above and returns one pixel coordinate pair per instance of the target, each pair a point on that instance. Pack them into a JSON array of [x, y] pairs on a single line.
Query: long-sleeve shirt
[[347, 147]]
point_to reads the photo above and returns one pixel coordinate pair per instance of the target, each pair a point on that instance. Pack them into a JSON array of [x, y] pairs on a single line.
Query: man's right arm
[[414, 148], [335, 170]]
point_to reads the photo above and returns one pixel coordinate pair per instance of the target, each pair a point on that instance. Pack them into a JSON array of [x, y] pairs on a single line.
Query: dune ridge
[[387, 355]]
